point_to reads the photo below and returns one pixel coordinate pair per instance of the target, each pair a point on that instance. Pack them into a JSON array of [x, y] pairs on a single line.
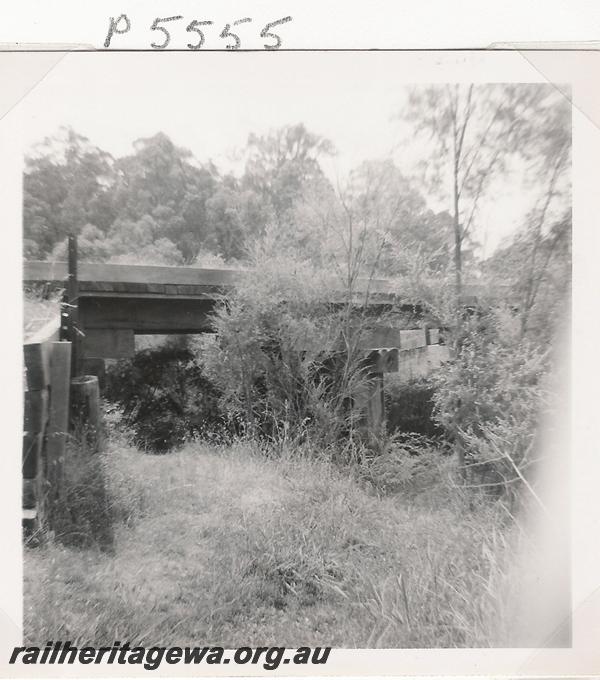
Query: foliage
[[536, 269], [377, 215], [65, 187], [475, 133], [406, 462], [165, 396], [239, 548], [153, 206], [283, 163], [81, 514], [159, 205], [280, 360], [490, 397]]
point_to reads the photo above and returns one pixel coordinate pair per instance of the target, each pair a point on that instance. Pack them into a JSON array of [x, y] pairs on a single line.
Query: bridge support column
[[375, 412], [369, 405]]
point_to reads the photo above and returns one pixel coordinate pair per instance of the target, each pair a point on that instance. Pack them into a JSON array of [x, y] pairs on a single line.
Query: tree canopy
[[162, 205]]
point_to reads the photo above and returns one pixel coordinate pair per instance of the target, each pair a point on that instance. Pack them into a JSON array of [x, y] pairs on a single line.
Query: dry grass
[[226, 546]]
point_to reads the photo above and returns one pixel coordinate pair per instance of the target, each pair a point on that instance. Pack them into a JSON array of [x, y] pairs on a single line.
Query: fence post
[[58, 425], [85, 410], [69, 327], [92, 513], [35, 417]]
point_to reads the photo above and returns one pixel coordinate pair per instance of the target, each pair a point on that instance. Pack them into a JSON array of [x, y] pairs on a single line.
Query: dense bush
[[405, 462], [165, 396], [285, 361], [489, 401]]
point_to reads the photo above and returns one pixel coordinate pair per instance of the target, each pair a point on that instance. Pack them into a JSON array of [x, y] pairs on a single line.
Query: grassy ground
[[224, 546]]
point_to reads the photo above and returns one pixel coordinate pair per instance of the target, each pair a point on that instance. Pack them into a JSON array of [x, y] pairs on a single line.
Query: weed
[[222, 542]]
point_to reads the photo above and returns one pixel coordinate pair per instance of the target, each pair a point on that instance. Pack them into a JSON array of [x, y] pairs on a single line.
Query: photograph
[[296, 344]]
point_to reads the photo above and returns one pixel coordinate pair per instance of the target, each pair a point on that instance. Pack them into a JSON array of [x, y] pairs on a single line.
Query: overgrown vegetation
[[164, 397], [238, 547], [490, 400], [288, 362], [328, 531], [79, 509]]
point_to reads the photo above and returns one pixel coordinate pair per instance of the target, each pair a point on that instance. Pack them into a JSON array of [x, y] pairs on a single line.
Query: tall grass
[[229, 546]]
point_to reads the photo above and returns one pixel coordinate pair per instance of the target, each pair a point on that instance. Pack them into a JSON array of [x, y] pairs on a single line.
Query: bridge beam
[[145, 316], [108, 343]]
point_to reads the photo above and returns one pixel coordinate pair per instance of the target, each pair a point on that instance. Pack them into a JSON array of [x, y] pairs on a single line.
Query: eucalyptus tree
[[67, 184], [472, 134], [283, 163]]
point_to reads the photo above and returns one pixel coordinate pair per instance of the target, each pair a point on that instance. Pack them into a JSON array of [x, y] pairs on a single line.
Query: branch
[[479, 147], [484, 175], [468, 111], [532, 289]]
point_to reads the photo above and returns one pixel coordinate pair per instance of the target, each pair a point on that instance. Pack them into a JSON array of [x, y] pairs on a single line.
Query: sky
[[210, 103]]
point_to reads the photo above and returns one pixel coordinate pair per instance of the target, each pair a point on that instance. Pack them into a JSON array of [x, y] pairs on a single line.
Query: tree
[[149, 206], [473, 131], [67, 185], [477, 133], [283, 163], [536, 266], [376, 225], [286, 361], [159, 202], [236, 217], [162, 181], [548, 232], [537, 261], [387, 203]]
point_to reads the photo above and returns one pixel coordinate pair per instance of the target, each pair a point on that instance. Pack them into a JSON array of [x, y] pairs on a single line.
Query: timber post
[[375, 403], [92, 512], [69, 313], [58, 427], [35, 417], [45, 427], [85, 411]]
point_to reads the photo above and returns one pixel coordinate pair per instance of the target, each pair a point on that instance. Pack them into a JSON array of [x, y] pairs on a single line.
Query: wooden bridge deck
[[115, 302], [97, 280], [108, 304], [110, 280]]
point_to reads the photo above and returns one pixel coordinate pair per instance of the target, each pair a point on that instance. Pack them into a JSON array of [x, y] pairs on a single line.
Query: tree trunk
[[457, 252]]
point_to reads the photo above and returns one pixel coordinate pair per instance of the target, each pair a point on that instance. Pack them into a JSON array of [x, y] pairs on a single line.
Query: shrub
[[404, 463], [489, 400], [165, 396], [286, 361]]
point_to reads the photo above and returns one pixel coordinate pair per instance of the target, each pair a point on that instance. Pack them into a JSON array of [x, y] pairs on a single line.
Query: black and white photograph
[[296, 344]]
